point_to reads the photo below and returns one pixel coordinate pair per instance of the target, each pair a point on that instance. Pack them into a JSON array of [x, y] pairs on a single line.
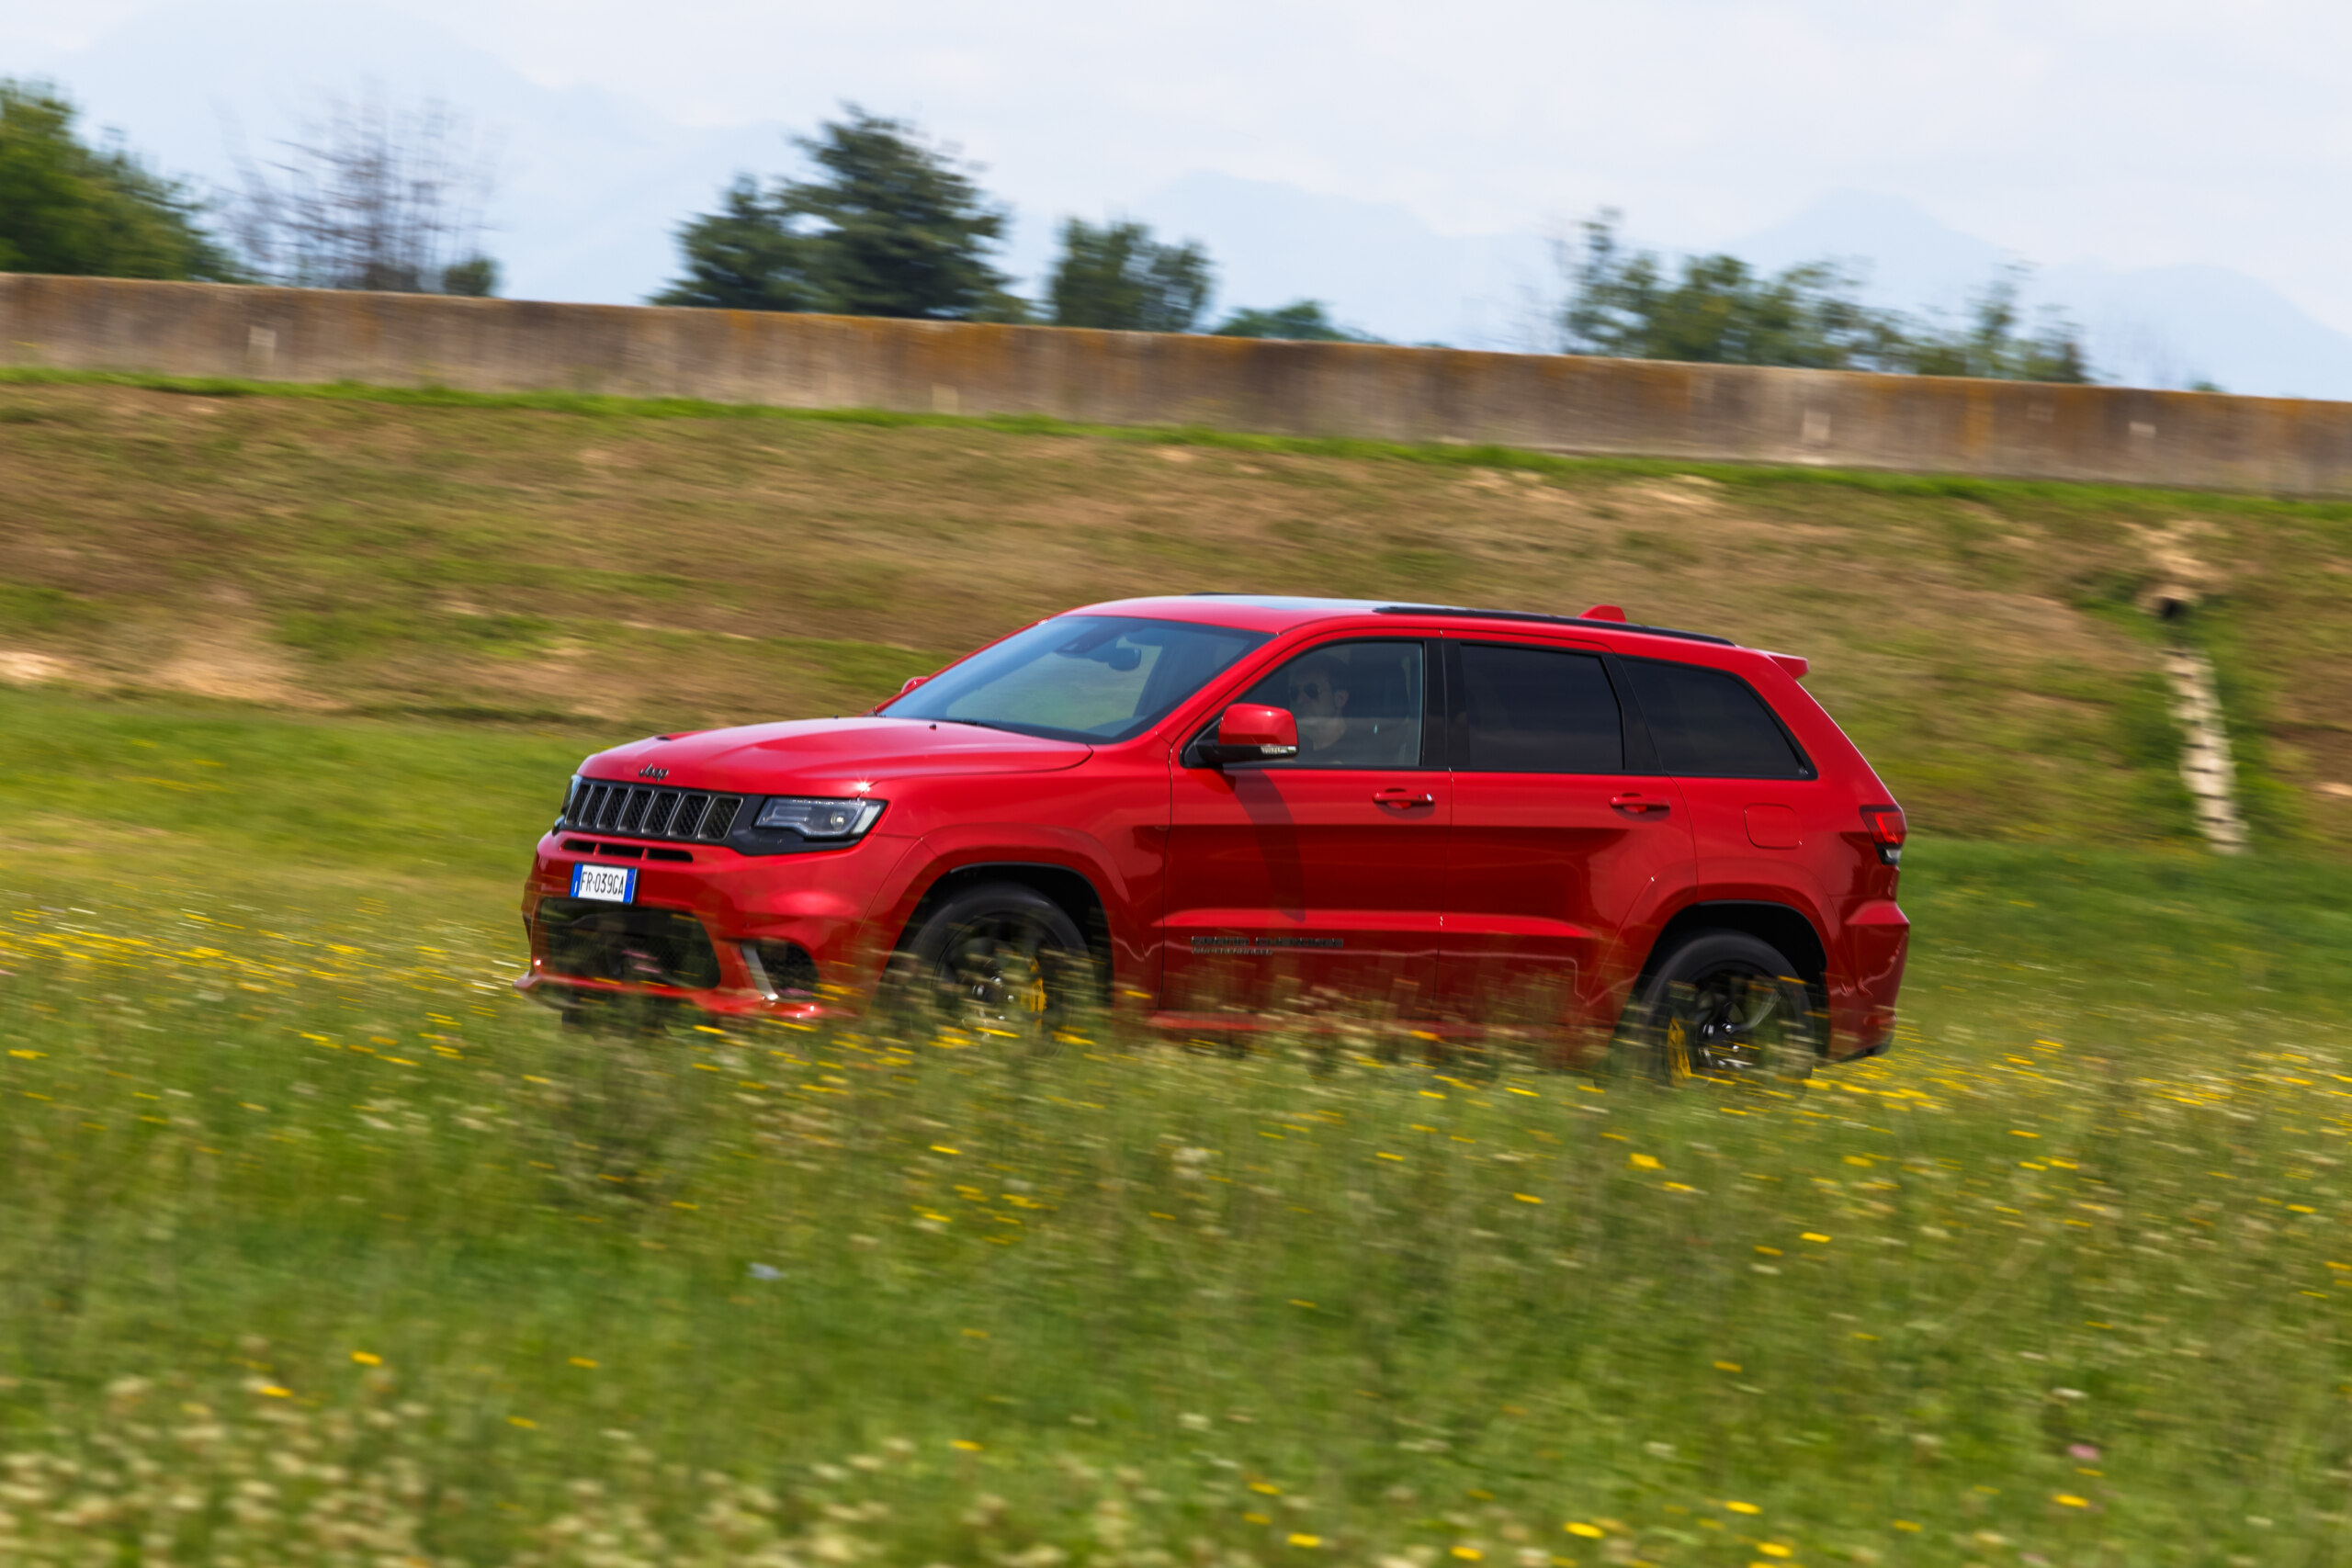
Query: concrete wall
[[1548, 402]]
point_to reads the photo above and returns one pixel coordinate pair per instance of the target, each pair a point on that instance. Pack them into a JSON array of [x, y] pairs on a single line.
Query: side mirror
[[912, 681], [1251, 732]]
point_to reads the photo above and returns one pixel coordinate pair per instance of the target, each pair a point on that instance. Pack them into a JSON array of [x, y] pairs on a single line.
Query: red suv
[[1214, 810]]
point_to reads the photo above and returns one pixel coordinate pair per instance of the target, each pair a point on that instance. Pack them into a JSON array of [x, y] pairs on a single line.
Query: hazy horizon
[[2149, 161]]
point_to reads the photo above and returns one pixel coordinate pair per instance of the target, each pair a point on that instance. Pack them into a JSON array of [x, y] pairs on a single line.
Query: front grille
[[593, 941], [644, 811]]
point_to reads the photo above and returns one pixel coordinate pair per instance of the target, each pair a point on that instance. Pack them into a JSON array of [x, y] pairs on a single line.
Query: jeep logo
[[657, 775]]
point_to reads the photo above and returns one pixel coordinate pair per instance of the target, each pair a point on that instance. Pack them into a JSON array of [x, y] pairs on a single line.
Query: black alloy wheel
[[1004, 962], [1728, 1007]]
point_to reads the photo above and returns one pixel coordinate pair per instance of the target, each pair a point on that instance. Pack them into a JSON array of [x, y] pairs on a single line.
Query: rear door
[[1565, 832], [1316, 881], [1762, 817]]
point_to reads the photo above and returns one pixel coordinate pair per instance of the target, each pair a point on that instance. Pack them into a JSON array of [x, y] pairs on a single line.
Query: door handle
[[1636, 805], [1403, 797]]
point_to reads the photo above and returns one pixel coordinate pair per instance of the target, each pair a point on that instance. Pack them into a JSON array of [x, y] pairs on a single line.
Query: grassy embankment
[[320, 1243], [606, 569]]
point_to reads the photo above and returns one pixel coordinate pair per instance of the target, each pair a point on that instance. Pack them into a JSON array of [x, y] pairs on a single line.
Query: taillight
[[1887, 829]]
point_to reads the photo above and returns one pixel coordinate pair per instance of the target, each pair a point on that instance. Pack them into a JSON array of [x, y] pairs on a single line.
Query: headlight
[[821, 818]]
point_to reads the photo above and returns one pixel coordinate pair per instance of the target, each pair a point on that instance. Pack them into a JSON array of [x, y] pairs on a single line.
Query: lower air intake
[[591, 941]]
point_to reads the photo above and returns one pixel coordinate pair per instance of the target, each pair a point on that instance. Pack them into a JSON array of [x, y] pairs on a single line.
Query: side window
[[1536, 710], [1358, 704], [1711, 723]]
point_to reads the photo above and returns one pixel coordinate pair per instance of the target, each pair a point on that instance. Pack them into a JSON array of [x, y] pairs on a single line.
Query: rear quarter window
[[1711, 723]]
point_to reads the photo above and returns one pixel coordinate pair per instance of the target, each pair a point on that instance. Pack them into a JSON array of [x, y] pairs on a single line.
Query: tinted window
[[1358, 704], [1537, 710], [1709, 724]]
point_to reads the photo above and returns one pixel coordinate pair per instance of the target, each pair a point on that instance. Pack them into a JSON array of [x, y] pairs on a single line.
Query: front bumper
[[722, 932]]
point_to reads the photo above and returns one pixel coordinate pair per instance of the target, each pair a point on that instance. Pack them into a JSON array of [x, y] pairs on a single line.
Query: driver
[[1318, 692]]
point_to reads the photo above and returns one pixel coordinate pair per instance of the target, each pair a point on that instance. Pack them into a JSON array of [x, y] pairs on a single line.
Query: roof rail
[[1601, 624]]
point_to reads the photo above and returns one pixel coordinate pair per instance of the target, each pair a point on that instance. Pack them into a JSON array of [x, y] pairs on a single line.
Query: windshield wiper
[[982, 724]]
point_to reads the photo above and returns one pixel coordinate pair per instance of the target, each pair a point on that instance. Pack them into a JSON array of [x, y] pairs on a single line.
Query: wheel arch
[[1786, 927], [1071, 889]]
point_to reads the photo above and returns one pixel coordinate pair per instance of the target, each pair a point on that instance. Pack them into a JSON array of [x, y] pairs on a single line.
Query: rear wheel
[[1727, 1006], [1003, 960]]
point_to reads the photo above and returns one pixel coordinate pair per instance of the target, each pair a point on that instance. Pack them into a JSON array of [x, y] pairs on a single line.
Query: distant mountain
[[1380, 268], [2152, 327], [1377, 267], [2169, 326], [593, 188], [1906, 259]]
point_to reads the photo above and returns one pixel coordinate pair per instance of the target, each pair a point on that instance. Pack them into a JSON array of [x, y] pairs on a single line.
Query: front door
[[1315, 883], [1565, 837]]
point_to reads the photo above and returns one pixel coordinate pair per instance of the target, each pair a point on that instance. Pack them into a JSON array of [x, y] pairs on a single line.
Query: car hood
[[829, 756]]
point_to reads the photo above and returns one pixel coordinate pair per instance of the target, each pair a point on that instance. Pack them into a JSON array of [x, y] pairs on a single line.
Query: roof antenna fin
[[1603, 613]]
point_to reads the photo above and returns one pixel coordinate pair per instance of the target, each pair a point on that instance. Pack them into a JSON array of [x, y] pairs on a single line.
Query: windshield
[[1085, 678]]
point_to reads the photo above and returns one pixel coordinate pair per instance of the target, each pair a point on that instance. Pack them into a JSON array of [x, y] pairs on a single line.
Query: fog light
[[782, 969]]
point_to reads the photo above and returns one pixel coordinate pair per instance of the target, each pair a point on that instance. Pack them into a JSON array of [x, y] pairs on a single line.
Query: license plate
[[607, 884]]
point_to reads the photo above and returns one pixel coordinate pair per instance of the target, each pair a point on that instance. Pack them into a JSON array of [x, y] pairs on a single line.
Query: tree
[[1118, 277], [66, 207], [372, 196], [476, 278], [892, 226], [742, 257], [1720, 310], [1302, 320], [1990, 345]]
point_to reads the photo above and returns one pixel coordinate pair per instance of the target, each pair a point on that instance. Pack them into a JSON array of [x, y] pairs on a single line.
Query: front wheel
[[1726, 1005], [1003, 960]]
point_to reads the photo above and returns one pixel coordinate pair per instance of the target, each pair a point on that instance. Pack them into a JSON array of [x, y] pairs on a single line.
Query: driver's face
[[1313, 694]]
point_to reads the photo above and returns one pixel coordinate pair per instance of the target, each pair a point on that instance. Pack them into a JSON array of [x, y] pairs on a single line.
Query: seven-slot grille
[[639, 811]]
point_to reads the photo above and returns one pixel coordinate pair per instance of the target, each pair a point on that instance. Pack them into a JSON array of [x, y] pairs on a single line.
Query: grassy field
[[322, 1246], [605, 568]]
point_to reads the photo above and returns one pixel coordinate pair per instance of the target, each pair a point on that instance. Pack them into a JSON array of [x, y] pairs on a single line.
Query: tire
[[1002, 960], [1725, 1006]]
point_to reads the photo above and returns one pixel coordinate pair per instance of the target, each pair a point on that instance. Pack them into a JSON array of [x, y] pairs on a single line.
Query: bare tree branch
[[371, 196]]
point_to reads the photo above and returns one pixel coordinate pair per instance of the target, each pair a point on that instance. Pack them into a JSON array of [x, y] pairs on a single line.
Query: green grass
[[113, 784], [322, 1245], [612, 566], [321, 1238]]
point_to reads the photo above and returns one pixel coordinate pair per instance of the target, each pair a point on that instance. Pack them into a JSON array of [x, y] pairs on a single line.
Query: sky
[[2075, 133]]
